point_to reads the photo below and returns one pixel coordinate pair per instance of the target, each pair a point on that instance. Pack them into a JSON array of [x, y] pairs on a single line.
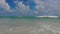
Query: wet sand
[[29, 26]]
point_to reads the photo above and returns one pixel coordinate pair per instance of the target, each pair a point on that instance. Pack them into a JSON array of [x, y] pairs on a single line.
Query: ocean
[[29, 25]]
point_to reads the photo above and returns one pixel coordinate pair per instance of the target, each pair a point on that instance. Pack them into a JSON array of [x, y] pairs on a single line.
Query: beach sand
[[29, 26]]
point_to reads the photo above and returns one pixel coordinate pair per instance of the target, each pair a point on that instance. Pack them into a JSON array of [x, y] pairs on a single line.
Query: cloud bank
[[31, 7], [4, 5]]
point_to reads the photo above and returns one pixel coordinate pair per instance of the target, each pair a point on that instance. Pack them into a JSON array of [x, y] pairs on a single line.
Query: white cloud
[[22, 7], [49, 7], [55, 5], [4, 5], [24, 10], [40, 7]]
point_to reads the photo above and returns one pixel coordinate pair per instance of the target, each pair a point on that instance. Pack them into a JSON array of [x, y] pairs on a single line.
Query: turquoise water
[[29, 25]]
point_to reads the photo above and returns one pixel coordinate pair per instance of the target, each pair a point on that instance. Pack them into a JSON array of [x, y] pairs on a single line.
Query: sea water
[[29, 25]]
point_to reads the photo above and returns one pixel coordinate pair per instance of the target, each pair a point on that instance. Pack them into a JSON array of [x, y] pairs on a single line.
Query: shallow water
[[29, 26]]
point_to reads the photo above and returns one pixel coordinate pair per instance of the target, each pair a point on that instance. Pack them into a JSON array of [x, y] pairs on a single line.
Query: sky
[[29, 7]]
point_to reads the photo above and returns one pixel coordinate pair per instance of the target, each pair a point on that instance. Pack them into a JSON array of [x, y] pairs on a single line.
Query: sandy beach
[[29, 26]]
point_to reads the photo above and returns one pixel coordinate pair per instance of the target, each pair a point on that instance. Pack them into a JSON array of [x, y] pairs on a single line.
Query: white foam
[[48, 16]]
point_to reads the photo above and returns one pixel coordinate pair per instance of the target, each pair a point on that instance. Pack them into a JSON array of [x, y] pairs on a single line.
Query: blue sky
[[29, 7]]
